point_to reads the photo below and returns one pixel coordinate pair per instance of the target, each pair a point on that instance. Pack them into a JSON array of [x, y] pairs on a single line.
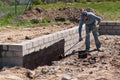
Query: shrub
[[37, 2], [83, 1], [3, 3], [45, 20]]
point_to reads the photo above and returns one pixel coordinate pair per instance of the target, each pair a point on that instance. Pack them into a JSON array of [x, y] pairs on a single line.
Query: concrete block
[[52, 42], [45, 39], [73, 36], [103, 23], [5, 47], [12, 61], [74, 30], [65, 44], [117, 32], [15, 54], [15, 47], [25, 52], [42, 46], [31, 50], [35, 42], [47, 44], [66, 33], [111, 32], [108, 27], [50, 38], [76, 35], [10, 54], [75, 40], [3, 53], [116, 27], [111, 23], [65, 49], [40, 41], [117, 23], [101, 27], [29, 45], [55, 37], [101, 32], [1, 63], [37, 48], [59, 35], [67, 38]]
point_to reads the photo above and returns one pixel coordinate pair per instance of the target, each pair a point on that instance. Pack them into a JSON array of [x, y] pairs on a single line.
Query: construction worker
[[89, 19]]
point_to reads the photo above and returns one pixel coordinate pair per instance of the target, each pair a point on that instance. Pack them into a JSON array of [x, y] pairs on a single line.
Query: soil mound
[[53, 14]]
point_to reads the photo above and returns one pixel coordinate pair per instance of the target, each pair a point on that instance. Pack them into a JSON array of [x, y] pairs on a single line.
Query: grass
[[10, 10], [109, 10]]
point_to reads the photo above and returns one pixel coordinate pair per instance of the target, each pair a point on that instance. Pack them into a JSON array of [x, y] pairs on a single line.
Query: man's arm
[[98, 19]]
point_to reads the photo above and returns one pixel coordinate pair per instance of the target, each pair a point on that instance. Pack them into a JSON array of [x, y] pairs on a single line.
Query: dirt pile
[[98, 66], [53, 14]]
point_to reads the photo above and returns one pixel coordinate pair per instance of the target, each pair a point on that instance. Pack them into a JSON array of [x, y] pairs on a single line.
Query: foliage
[[37, 2], [108, 10], [3, 3], [83, 1], [45, 20]]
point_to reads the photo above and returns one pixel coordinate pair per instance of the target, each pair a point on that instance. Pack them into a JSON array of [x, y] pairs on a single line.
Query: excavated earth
[[97, 66]]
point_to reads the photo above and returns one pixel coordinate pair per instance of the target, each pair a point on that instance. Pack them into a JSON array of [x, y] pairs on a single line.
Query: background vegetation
[[109, 9]]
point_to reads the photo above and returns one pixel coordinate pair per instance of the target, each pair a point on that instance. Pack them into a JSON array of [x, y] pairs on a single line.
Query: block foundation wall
[[40, 51], [45, 49]]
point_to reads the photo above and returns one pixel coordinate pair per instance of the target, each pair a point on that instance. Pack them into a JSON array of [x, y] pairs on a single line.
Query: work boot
[[100, 50], [86, 51]]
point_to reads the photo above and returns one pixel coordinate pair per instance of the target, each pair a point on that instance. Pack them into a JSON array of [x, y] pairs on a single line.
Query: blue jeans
[[89, 28]]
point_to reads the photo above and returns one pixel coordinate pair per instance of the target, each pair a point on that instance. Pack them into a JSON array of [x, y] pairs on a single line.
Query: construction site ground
[[97, 66]]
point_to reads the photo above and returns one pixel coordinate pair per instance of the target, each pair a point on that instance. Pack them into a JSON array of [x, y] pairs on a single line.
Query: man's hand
[[98, 23], [80, 38]]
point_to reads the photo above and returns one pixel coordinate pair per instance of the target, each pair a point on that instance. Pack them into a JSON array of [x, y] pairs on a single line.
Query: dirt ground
[[97, 66], [8, 35]]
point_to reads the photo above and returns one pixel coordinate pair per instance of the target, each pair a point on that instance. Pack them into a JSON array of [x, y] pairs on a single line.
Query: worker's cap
[[84, 13]]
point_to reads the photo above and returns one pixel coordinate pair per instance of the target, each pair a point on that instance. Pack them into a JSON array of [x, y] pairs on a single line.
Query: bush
[[83, 1], [77, 0], [37, 2], [3, 3], [45, 20]]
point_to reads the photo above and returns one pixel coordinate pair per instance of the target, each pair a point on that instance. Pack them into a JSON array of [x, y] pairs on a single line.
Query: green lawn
[[108, 10]]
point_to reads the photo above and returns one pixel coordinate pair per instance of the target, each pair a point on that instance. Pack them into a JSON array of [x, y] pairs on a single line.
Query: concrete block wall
[[42, 50], [109, 28], [45, 49]]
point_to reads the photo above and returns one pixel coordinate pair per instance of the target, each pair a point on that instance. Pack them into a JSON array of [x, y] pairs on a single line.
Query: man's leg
[[87, 40], [97, 42]]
